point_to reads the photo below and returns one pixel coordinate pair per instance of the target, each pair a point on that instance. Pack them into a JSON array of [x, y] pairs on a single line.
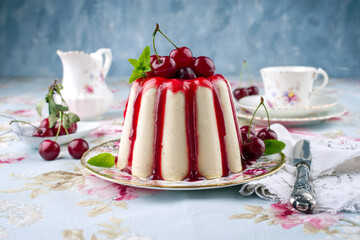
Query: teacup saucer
[[336, 111], [318, 104]]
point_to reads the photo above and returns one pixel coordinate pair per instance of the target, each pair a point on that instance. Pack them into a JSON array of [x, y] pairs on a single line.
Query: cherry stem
[[60, 123], [261, 103], [267, 114], [155, 31], [23, 122], [242, 69], [67, 133], [248, 72], [158, 29]]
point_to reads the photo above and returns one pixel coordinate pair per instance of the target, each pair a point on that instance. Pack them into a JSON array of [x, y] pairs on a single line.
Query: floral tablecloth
[[59, 200]]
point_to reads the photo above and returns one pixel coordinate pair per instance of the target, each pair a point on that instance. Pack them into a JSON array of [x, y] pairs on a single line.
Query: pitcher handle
[[108, 60], [325, 81]]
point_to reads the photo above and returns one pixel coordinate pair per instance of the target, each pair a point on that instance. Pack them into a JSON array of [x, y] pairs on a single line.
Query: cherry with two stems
[[244, 92], [163, 66], [266, 133], [254, 147]]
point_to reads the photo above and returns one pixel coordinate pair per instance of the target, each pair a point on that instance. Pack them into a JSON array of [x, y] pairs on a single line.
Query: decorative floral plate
[[263, 167], [318, 103]]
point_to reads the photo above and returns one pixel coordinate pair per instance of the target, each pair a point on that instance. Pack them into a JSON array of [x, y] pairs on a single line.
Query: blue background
[[266, 32]]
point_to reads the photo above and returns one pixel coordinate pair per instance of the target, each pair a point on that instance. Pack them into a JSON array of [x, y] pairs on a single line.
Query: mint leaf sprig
[[57, 112], [102, 160], [273, 146], [141, 65]]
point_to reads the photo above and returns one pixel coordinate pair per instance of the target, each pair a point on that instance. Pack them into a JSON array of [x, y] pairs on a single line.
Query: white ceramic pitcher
[[85, 90]]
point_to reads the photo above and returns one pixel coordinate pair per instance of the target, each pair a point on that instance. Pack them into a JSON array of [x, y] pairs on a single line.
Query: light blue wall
[[265, 32]]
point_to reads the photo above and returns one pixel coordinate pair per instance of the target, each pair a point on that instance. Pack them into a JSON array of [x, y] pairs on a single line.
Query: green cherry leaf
[[273, 146], [102, 160], [52, 120], [73, 118], [66, 122], [39, 107], [52, 107], [61, 108]]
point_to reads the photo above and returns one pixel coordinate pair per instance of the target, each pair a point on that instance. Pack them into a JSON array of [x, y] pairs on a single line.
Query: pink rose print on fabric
[[101, 189], [23, 113], [288, 217], [13, 158], [106, 130]]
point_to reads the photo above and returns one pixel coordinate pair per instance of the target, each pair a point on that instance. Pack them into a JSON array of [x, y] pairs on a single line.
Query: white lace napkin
[[335, 173]]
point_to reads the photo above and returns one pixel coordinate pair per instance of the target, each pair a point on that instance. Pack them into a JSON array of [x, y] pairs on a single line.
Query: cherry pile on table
[[60, 121]]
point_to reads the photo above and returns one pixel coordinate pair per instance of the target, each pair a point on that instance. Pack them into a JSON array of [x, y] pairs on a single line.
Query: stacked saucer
[[320, 108]]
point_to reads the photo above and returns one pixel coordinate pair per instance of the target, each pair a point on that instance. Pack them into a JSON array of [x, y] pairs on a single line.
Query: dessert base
[[260, 168]]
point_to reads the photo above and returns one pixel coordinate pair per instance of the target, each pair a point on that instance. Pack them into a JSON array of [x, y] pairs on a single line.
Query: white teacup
[[291, 86]]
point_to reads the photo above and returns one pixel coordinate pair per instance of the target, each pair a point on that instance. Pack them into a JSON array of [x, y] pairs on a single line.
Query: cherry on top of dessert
[[180, 63], [182, 56], [164, 67], [203, 66], [186, 73]]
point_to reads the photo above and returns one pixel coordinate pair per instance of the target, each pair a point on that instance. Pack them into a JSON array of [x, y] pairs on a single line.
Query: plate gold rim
[[141, 185]]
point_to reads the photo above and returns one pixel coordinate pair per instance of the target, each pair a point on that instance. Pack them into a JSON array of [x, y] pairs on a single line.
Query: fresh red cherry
[[72, 128], [253, 90], [45, 123], [182, 56], [245, 128], [267, 133], [203, 66], [152, 59], [185, 73], [240, 93], [150, 74], [254, 148], [62, 129], [49, 150], [77, 148], [43, 132], [165, 68], [245, 136]]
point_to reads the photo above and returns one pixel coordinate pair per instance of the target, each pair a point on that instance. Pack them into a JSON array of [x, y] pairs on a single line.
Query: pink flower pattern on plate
[[255, 172]]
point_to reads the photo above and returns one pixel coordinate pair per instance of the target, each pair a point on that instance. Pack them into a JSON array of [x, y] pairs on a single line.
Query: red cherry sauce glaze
[[189, 88]]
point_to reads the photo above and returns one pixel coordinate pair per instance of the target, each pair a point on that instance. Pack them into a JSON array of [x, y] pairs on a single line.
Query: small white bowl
[[24, 134]]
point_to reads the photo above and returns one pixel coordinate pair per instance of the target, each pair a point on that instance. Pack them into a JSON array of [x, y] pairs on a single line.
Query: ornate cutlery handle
[[302, 197]]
